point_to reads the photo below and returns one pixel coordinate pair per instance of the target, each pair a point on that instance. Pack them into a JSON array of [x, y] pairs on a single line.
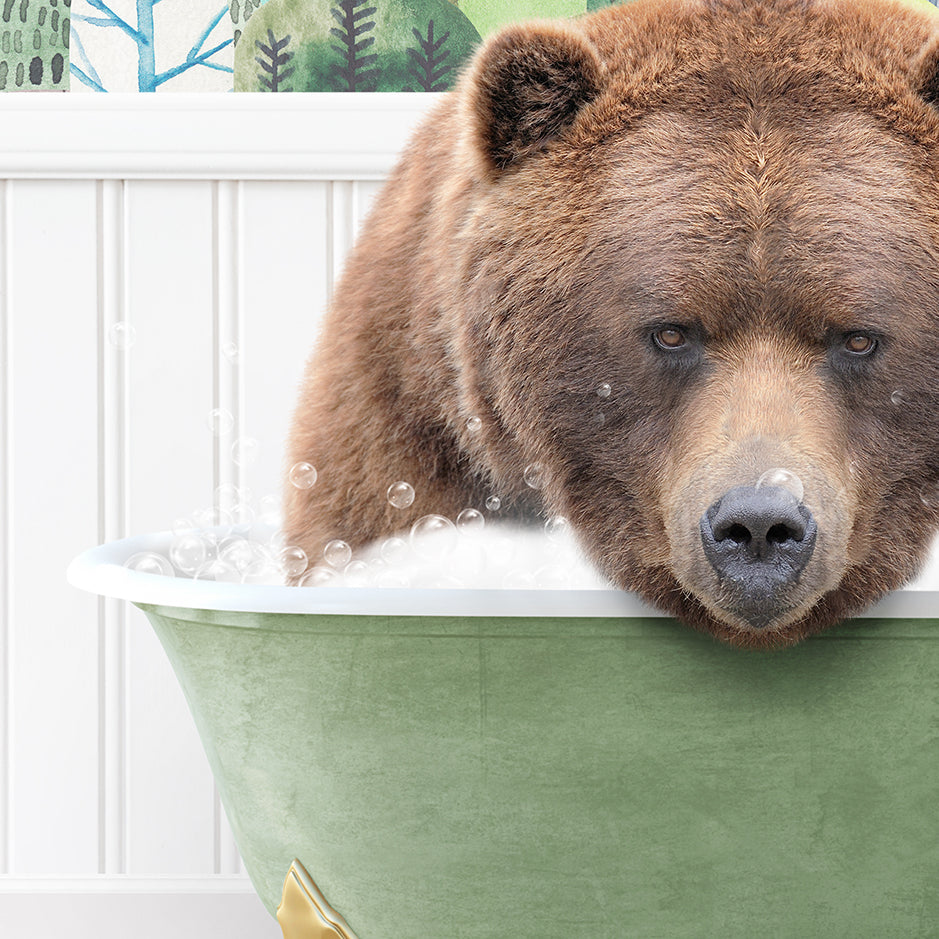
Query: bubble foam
[[784, 479]]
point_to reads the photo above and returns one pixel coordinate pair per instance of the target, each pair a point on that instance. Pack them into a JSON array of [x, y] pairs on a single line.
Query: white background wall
[[200, 221]]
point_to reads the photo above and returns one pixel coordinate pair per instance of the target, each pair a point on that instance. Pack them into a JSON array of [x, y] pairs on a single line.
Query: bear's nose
[[758, 541]]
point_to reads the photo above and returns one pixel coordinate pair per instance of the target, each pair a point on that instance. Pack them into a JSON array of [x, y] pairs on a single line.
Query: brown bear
[[659, 251]]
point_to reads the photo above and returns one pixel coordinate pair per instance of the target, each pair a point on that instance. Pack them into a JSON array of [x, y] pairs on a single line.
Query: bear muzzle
[[758, 541]]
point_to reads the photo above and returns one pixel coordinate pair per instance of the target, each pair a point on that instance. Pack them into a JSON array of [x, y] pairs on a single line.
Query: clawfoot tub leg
[[304, 913]]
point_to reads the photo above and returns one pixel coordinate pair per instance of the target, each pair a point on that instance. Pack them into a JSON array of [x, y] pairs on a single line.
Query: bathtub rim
[[100, 570]]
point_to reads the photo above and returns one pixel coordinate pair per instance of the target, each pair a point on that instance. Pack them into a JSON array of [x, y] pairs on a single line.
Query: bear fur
[[725, 210]]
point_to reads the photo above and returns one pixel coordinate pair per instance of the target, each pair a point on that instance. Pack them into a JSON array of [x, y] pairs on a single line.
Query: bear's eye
[[860, 344], [668, 338]]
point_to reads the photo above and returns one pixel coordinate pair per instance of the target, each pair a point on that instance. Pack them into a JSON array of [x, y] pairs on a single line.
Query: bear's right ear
[[526, 85], [926, 72]]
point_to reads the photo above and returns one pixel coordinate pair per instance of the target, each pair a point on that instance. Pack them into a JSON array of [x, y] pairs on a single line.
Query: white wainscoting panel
[[52, 470], [168, 264], [218, 250]]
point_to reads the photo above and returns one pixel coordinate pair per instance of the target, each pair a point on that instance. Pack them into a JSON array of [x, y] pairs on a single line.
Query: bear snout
[[758, 540]]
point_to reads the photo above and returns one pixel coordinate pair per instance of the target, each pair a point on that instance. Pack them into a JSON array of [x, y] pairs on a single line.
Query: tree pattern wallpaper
[[271, 46], [34, 44]]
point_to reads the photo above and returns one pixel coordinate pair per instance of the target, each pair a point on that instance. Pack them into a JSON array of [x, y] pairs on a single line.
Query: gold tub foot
[[304, 913]]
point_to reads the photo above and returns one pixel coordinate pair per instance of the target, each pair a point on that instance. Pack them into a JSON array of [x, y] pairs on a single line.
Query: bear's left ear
[[525, 86], [925, 72]]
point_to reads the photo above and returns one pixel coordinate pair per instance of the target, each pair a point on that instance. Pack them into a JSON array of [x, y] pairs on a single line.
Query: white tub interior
[[100, 570]]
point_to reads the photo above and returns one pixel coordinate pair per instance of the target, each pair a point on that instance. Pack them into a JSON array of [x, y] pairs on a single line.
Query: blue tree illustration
[[148, 79]]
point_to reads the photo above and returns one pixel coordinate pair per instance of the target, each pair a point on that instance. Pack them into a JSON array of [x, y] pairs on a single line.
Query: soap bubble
[[898, 399], [239, 552], [293, 560], [337, 554], [534, 475], [493, 503], [401, 495], [149, 562], [303, 475], [470, 520], [393, 579], [557, 527], [394, 550], [599, 418], [784, 479], [122, 336], [269, 510], [182, 524], [244, 451], [220, 421], [262, 571], [188, 552], [318, 577], [441, 544], [474, 424], [218, 570], [212, 517], [604, 390], [355, 574], [212, 540], [231, 352], [242, 515], [226, 495]]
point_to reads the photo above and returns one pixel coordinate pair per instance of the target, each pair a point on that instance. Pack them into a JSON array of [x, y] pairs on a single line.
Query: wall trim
[[206, 136], [145, 908], [124, 884]]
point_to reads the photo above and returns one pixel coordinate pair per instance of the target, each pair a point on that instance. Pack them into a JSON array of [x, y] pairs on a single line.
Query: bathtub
[[441, 764]]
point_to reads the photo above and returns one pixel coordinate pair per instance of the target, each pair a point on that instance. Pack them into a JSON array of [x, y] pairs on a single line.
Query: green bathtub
[[543, 764]]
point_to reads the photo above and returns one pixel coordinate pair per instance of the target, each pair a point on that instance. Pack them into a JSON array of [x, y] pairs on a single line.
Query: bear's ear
[[527, 84], [926, 72]]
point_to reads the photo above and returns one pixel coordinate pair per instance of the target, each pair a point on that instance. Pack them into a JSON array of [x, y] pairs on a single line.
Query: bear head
[[694, 281]]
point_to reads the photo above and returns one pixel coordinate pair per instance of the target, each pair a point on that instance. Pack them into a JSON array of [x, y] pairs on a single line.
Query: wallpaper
[[252, 45]]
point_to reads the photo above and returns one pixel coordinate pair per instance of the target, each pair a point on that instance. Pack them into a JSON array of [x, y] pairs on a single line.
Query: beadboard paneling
[[170, 457], [51, 472], [223, 278]]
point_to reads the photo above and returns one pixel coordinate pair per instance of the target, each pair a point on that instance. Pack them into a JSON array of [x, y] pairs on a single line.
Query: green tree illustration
[[273, 62], [354, 73], [241, 11], [333, 48], [34, 41], [427, 66]]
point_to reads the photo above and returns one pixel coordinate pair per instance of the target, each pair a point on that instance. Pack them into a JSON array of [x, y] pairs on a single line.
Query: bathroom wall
[[218, 251]]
